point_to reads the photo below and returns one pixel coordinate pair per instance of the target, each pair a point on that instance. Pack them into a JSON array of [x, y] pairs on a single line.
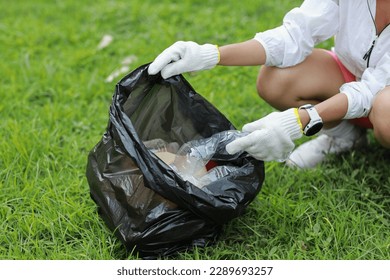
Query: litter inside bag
[[160, 175], [192, 161]]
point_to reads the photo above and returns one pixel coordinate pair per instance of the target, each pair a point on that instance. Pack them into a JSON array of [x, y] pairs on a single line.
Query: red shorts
[[349, 77]]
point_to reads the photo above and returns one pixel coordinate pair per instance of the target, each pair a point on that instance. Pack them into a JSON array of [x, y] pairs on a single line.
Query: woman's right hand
[[184, 57]]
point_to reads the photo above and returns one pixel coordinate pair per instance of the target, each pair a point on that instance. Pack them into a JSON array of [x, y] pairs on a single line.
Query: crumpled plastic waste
[[192, 160]]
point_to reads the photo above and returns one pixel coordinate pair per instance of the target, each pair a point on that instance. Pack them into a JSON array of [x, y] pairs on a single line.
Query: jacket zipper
[[367, 55]]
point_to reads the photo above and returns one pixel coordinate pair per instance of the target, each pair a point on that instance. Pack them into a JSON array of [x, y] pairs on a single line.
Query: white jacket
[[352, 24]]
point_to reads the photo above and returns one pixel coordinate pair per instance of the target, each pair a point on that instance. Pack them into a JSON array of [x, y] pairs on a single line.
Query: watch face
[[314, 129]]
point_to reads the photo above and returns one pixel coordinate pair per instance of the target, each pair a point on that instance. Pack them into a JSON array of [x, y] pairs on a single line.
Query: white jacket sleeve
[[361, 94], [303, 28]]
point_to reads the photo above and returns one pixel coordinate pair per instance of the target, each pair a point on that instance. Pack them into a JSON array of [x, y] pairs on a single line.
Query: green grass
[[54, 109]]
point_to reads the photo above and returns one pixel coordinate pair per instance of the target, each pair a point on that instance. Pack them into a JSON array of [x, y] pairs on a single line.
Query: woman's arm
[[330, 110], [248, 53]]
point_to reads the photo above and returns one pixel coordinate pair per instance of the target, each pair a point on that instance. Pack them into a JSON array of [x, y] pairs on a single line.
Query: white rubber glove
[[271, 138], [184, 57]]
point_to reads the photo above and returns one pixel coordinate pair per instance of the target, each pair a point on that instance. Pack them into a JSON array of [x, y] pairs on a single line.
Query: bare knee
[[272, 86], [264, 83], [306, 82], [380, 117]]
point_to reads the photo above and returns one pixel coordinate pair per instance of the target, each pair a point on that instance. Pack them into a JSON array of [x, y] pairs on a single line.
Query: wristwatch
[[315, 124]]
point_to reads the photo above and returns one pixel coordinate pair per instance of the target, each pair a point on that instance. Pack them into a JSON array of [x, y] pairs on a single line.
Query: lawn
[[54, 106]]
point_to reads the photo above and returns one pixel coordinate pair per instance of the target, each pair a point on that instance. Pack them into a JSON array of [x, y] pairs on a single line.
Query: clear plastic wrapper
[[190, 161]]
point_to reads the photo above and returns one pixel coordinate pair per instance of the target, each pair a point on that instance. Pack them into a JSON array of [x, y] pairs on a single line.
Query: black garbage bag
[[151, 208]]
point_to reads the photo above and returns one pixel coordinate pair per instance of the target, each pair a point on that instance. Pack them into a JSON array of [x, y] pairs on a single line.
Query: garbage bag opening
[[152, 208]]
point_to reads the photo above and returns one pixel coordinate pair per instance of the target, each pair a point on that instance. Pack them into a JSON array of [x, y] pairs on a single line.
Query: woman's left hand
[[271, 137]]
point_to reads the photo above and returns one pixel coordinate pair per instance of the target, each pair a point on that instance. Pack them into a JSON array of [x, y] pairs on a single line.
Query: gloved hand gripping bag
[[151, 209]]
